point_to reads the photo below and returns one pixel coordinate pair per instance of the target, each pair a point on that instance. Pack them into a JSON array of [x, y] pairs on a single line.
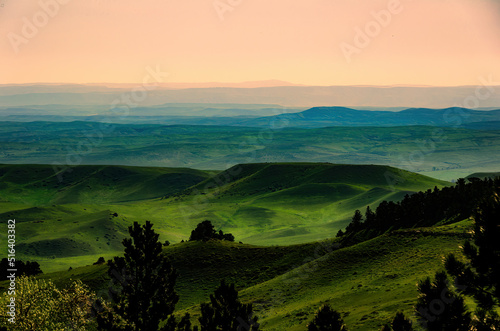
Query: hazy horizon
[[236, 84], [341, 43]]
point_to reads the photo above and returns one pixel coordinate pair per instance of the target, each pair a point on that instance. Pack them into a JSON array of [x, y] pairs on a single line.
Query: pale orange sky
[[429, 42]]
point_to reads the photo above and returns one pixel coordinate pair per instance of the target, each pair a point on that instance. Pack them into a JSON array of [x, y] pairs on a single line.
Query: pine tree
[[439, 308], [356, 223], [401, 323], [370, 216], [144, 281], [327, 319], [481, 275], [226, 313]]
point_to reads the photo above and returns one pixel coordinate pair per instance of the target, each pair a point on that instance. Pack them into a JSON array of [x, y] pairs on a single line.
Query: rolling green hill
[[43, 184], [482, 175], [368, 282], [287, 215], [73, 222], [287, 203]]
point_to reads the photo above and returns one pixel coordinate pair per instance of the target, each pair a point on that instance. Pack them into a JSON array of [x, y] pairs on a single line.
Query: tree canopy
[[27, 268], [206, 231]]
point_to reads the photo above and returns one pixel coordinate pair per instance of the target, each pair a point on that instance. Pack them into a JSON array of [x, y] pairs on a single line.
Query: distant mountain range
[[263, 116], [267, 92], [339, 116]]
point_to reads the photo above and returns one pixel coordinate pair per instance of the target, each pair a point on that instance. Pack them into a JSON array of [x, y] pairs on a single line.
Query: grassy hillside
[[63, 218], [73, 222], [482, 175], [44, 184], [288, 203], [368, 283], [201, 266]]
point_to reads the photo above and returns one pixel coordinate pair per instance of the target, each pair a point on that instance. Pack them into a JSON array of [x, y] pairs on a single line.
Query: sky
[[312, 42]]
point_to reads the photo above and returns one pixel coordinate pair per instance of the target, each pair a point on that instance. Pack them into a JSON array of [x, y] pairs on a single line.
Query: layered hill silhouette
[[318, 117], [265, 115]]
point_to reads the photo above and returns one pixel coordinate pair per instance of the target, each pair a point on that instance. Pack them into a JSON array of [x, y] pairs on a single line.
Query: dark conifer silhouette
[[27, 268], [480, 276], [144, 284], [225, 312], [183, 325], [205, 231], [327, 319], [356, 223], [401, 323], [439, 308], [427, 208]]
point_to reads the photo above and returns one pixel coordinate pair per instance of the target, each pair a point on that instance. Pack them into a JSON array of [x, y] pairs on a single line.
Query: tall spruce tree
[[225, 312], [479, 276], [356, 222], [143, 280], [439, 308]]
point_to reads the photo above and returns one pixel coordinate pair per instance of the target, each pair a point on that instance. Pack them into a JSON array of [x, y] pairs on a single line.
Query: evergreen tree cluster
[[441, 305], [425, 209], [206, 231], [143, 295], [143, 283], [23, 268]]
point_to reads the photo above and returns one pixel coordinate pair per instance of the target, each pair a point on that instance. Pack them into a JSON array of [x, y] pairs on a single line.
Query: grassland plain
[[72, 222], [445, 153]]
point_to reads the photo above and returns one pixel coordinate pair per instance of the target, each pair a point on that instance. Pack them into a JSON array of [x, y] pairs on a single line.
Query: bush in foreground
[[42, 306]]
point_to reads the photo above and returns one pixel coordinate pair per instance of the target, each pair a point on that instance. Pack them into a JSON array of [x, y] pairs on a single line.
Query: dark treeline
[[22, 268], [424, 209]]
